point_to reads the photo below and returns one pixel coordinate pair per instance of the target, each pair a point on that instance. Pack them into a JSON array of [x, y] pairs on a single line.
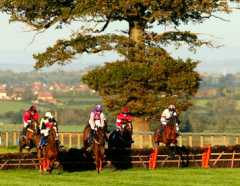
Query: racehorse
[[123, 138], [99, 148], [86, 135], [97, 145], [31, 139], [49, 153], [166, 133]]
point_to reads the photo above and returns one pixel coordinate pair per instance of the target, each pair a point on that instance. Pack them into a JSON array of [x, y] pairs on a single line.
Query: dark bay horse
[[121, 139], [49, 154], [31, 139]]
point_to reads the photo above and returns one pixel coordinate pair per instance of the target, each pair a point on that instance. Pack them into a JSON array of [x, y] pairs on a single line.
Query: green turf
[[131, 177], [62, 128]]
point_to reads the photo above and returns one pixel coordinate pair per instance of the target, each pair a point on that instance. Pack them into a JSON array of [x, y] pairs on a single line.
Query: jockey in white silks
[[167, 114]]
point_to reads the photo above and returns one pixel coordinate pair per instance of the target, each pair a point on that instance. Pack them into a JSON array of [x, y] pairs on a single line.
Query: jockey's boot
[[91, 137], [161, 129]]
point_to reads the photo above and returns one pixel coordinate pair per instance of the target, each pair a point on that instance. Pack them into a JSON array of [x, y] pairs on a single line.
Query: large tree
[[148, 78]]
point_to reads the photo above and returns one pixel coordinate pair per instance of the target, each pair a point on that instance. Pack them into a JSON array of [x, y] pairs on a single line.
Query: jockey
[[123, 117], [97, 119], [46, 123], [28, 116], [169, 113]]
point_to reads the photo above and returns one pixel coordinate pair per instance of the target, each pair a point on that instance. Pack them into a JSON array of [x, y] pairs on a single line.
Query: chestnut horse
[[86, 135], [99, 148], [31, 139], [48, 155], [166, 133], [98, 144]]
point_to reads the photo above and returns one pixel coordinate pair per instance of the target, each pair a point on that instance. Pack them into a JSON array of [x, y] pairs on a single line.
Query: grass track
[[131, 177]]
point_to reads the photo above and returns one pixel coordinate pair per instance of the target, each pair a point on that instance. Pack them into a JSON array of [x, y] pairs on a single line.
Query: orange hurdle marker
[[153, 159], [206, 156]]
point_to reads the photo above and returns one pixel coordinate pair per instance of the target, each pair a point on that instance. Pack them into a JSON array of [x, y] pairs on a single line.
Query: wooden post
[[237, 140], [70, 139], [211, 141], [141, 141], [150, 139], [232, 162], [190, 142], [180, 141], [201, 141], [78, 140], [7, 139], [62, 138], [224, 140], [14, 138]]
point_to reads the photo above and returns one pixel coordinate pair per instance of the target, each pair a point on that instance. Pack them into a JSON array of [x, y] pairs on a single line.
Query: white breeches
[[44, 132]]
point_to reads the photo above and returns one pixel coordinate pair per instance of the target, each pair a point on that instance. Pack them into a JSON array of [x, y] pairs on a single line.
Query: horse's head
[[100, 135], [31, 130], [52, 133]]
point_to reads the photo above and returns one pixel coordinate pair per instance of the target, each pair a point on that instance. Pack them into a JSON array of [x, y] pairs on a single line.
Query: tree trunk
[[136, 32]]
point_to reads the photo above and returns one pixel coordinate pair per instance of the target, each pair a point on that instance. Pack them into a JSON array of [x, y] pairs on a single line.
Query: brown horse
[[86, 135], [31, 139], [48, 155], [99, 148], [166, 134]]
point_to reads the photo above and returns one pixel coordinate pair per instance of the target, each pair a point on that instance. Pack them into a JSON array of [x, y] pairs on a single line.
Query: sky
[[17, 44]]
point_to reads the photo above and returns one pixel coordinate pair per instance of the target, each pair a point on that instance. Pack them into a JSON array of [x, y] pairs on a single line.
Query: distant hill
[[219, 67]]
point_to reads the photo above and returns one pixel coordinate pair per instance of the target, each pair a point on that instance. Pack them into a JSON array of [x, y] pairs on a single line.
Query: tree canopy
[[148, 78]]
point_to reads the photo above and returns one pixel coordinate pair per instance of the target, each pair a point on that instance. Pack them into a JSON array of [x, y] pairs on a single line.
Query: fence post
[[237, 140], [150, 140], [62, 138], [224, 140], [14, 138], [211, 141], [190, 142], [70, 139], [180, 141], [6, 140], [78, 140], [201, 141]]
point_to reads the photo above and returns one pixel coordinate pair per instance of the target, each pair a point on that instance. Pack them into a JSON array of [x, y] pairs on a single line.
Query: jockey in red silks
[[28, 116], [123, 117]]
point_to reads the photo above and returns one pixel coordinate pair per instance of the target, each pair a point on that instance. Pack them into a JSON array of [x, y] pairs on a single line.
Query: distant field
[[13, 106], [131, 177]]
